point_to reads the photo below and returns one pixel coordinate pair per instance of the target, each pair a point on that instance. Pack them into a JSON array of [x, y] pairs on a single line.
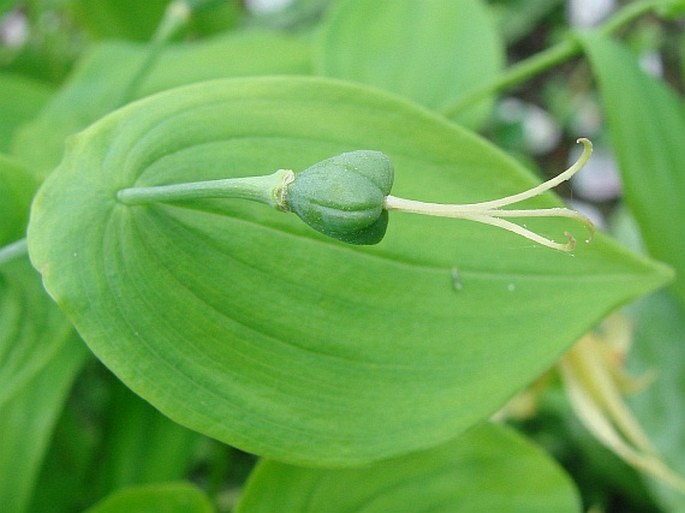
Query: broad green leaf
[[489, 468], [157, 498], [27, 422], [243, 323], [431, 51], [647, 123], [20, 100], [659, 348], [99, 83]]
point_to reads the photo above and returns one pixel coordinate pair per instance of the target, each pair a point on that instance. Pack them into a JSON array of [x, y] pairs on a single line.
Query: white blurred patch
[[589, 13], [587, 119], [14, 29], [541, 133], [266, 6], [599, 180], [651, 63], [592, 212]]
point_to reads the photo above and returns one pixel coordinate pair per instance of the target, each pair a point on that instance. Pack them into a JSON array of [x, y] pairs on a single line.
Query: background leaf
[[659, 348], [242, 323], [141, 445], [119, 19], [108, 438], [6, 5], [27, 422], [39, 355], [647, 122], [17, 187], [158, 498], [489, 468], [21, 99], [32, 329], [431, 51], [98, 84]]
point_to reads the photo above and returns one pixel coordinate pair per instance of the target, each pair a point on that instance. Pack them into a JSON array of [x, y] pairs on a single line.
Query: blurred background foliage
[[108, 438]]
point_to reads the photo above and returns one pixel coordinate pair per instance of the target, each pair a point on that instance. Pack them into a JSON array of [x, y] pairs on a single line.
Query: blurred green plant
[[245, 327]]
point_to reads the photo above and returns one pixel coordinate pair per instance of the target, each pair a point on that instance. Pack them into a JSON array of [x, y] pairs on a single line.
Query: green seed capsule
[[343, 196]]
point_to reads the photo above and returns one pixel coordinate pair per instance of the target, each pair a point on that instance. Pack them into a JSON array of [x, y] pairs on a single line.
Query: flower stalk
[[347, 197], [491, 212]]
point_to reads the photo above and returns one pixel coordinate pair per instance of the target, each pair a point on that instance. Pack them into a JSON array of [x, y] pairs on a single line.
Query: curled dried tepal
[[347, 197]]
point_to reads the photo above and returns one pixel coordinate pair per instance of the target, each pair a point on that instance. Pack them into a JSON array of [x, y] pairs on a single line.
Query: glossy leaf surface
[[489, 468], [243, 323], [157, 498], [647, 135], [431, 51]]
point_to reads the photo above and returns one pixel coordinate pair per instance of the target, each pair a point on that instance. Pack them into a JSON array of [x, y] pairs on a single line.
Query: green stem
[[264, 189], [175, 16], [553, 56], [13, 250]]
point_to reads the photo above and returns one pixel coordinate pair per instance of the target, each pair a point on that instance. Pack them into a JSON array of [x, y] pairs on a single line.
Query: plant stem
[[553, 56], [14, 250], [264, 189], [175, 16]]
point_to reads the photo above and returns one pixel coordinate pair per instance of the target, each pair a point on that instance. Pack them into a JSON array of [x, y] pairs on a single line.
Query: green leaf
[[108, 438], [489, 468], [21, 99], [647, 123], [157, 498], [659, 348], [141, 446], [28, 418], [17, 187], [64, 482], [6, 5], [431, 51], [32, 329], [39, 356], [120, 19], [99, 83], [245, 324]]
